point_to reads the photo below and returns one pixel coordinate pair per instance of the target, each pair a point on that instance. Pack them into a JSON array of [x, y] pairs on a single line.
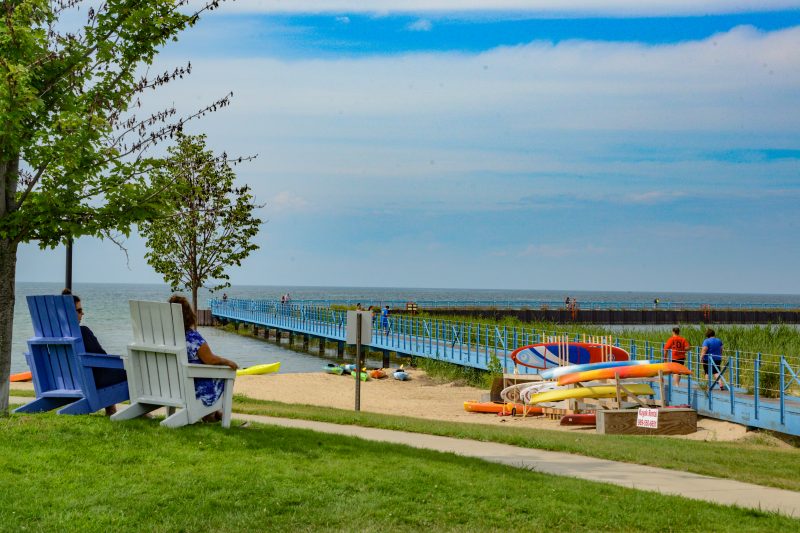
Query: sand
[[421, 397]]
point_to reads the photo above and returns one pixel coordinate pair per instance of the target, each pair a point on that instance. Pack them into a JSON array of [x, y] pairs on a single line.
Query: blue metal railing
[[547, 304], [761, 388]]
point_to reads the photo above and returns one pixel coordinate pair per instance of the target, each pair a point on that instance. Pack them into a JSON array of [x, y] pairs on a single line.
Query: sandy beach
[[421, 397]]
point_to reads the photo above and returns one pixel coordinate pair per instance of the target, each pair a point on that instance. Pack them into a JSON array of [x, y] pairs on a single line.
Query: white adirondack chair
[[159, 372]]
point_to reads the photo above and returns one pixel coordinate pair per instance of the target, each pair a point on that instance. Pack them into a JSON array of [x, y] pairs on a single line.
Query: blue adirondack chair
[[64, 375]]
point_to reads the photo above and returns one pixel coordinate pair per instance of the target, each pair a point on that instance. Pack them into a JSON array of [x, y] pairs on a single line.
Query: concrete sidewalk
[[674, 482], [695, 486]]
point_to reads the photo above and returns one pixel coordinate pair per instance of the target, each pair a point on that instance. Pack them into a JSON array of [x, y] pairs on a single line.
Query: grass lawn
[[86, 473], [758, 461]]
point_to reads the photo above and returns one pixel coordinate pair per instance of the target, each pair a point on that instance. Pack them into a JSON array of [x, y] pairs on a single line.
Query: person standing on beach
[[712, 353], [103, 377], [675, 348]]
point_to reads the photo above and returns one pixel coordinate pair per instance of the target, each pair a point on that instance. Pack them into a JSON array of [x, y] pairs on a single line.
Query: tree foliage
[[210, 225], [74, 134]]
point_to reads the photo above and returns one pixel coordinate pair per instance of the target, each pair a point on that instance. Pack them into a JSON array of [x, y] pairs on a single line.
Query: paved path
[[695, 486]]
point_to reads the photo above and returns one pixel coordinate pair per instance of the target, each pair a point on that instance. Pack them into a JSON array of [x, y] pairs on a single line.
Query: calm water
[[107, 313]]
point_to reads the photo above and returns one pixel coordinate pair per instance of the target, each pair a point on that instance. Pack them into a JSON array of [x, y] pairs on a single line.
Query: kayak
[[22, 376], [401, 375], [586, 419], [364, 376], [472, 406], [604, 391], [259, 369], [377, 374], [570, 369], [334, 369], [640, 371]]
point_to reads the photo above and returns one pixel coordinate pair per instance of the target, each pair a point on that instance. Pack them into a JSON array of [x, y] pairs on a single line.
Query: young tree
[[72, 155], [211, 225]]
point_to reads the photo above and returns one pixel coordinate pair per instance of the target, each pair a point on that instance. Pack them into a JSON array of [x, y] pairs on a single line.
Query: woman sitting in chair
[[207, 390]]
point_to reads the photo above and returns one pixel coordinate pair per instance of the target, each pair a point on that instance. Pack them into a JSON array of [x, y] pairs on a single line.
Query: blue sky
[[611, 147]]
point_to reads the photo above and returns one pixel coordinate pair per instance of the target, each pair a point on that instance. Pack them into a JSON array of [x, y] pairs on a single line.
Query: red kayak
[[586, 419], [22, 376]]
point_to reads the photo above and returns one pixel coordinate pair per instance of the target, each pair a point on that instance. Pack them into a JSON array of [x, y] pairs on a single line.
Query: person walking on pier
[[385, 319], [712, 354], [675, 349]]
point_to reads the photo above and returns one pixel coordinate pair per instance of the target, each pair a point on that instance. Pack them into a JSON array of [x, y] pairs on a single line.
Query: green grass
[[88, 474], [757, 460], [20, 393]]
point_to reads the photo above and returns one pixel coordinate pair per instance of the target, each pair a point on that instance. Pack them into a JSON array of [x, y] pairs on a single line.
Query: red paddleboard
[[624, 372], [546, 355], [22, 376], [586, 419]]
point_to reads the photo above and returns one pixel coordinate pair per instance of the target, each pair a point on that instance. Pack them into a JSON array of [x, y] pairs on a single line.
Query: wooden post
[[306, 342], [661, 389], [385, 359], [340, 350], [619, 394], [322, 346], [291, 337], [266, 332]]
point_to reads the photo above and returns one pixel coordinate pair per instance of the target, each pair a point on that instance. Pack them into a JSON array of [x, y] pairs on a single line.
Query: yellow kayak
[[603, 391], [259, 369]]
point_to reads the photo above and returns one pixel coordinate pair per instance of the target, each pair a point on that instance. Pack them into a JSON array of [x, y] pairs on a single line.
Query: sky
[[490, 144]]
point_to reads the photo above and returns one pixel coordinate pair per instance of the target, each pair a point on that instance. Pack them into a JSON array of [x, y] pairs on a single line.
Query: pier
[[761, 389]]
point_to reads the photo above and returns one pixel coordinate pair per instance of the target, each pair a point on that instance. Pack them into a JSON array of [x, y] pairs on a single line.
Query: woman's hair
[[189, 318], [67, 292], [710, 333]]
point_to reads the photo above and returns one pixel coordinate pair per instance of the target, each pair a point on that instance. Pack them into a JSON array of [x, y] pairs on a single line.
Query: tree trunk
[[194, 298], [8, 269]]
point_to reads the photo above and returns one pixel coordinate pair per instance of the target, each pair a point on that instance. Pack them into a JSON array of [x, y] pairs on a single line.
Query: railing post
[[757, 384], [783, 392]]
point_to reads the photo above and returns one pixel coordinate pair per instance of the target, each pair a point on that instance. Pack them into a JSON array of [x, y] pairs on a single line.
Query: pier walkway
[[761, 389]]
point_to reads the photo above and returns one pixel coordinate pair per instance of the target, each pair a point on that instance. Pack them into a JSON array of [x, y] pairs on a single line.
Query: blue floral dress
[[207, 390]]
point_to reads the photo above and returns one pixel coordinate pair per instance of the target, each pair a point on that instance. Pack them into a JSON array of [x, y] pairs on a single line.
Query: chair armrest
[[210, 371], [100, 361]]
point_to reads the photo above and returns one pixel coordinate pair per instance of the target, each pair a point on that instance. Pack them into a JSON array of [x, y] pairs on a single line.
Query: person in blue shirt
[[385, 318], [712, 351]]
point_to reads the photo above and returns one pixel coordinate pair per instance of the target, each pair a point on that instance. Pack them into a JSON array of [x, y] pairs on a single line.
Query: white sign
[[647, 418], [366, 327]]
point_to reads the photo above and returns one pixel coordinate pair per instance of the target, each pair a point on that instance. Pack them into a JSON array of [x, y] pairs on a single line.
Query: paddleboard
[[22, 376], [604, 391], [515, 393], [585, 419], [259, 369], [545, 355], [473, 406], [625, 372], [552, 373]]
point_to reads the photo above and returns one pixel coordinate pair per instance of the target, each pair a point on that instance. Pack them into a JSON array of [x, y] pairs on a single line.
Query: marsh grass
[[85, 473]]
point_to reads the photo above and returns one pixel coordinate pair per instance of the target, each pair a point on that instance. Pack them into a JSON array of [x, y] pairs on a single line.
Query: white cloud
[[653, 197], [286, 201], [421, 25], [544, 7]]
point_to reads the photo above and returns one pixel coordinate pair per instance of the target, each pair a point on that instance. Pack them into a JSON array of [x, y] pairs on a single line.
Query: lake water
[[108, 315]]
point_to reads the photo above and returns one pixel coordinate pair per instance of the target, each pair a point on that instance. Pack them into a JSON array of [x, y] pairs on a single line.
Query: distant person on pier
[[655, 303], [206, 390], [567, 303], [712, 352], [224, 296], [385, 319], [675, 350], [102, 377]]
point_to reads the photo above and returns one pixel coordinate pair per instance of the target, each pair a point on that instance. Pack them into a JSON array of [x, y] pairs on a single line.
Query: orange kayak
[[625, 372], [492, 407], [585, 419], [377, 374], [22, 376]]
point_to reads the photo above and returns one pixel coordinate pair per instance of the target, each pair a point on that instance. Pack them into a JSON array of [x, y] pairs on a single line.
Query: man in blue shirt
[[712, 351]]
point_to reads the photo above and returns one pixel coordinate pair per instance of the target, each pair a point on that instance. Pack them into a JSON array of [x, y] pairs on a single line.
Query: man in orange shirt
[[677, 347]]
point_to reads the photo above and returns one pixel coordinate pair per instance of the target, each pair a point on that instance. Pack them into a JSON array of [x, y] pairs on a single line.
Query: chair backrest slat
[[159, 372], [54, 318]]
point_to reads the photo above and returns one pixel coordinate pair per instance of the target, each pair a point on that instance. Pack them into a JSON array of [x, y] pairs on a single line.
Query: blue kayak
[[552, 373], [400, 375]]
